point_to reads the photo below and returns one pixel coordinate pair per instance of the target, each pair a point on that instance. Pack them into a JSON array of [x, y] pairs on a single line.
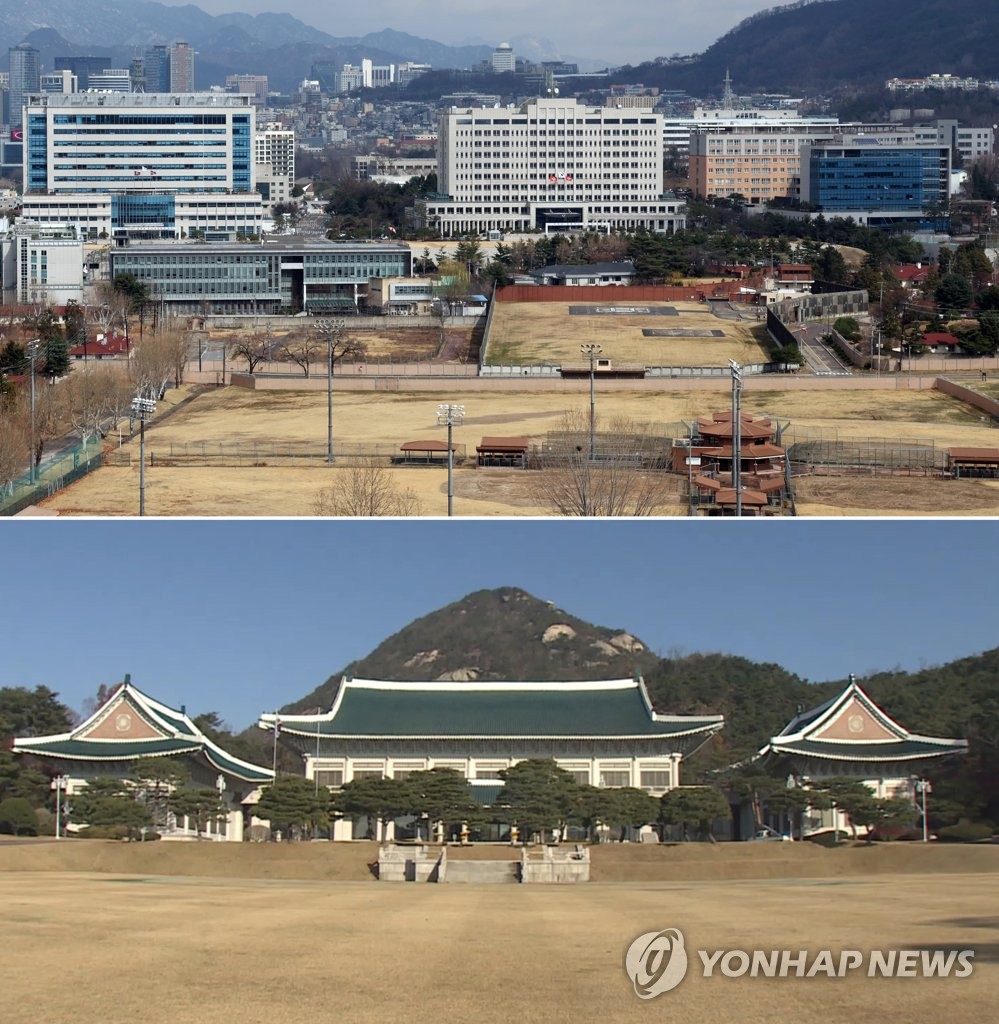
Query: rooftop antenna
[[728, 97]]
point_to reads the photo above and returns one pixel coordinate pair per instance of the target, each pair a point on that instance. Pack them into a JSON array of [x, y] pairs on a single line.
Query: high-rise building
[[503, 58], [888, 180], [760, 162], [156, 67], [145, 165], [350, 78], [111, 80], [24, 79], [58, 81], [83, 68], [551, 164], [274, 157], [181, 68], [252, 85], [409, 71]]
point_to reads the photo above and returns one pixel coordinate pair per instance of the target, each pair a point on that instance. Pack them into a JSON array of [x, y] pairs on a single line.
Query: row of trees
[[541, 799], [89, 403]]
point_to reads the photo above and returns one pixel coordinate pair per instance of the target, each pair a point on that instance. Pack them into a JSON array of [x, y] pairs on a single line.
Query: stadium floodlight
[[331, 328], [142, 408], [592, 350], [737, 433], [450, 415]]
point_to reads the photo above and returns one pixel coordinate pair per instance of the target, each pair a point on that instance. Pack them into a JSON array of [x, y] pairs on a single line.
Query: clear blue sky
[[242, 617]]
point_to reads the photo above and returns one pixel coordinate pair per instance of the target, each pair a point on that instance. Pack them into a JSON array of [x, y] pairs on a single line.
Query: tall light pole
[[32, 470], [592, 350], [315, 767], [332, 330], [449, 415], [737, 433], [60, 784], [142, 408], [923, 786]]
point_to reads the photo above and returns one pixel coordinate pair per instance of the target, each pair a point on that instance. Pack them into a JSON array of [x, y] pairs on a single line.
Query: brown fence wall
[[969, 395]]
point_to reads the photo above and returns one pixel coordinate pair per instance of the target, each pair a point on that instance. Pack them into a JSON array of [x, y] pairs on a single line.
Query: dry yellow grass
[[545, 332], [390, 418], [120, 948]]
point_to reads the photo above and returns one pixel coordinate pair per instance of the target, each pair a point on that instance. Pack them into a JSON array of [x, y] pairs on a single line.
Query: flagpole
[[277, 729]]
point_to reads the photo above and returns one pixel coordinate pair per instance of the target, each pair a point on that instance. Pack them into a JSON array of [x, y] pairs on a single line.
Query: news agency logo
[[656, 962]]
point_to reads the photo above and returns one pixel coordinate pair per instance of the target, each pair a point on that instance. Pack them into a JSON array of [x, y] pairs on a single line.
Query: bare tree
[[14, 446], [304, 352], [624, 480], [95, 395], [111, 308], [253, 348], [365, 489], [159, 358], [337, 341], [51, 415]]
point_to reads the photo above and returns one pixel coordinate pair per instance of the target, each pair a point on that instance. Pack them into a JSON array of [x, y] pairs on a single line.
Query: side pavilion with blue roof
[[132, 727], [603, 732]]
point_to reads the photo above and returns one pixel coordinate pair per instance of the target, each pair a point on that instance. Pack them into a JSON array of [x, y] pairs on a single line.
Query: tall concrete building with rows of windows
[[142, 165], [550, 164]]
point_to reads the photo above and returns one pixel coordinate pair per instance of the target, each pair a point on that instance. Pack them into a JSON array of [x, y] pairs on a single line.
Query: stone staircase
[[482, 872]]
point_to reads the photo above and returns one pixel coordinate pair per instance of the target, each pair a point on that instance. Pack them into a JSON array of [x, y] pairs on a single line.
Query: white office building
[[110, 80], [551, 164], [58, 81], [42, 264], [274, 157], [145, 165], [504, 59]]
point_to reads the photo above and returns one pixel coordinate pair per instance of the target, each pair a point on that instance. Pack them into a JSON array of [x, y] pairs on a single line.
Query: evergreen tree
[[201, 804], [293, 806], [537, 796], [109, 804], [694, 807], [443, 795]]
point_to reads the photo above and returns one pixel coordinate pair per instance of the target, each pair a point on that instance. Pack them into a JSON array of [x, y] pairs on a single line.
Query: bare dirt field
[[269, 486], [546, 332], [119, 947]]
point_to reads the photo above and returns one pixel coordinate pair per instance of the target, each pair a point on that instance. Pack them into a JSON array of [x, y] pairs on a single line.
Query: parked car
[[767, 834]]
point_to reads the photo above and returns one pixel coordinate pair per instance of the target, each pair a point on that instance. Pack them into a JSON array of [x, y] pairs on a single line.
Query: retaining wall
[[969, 395]]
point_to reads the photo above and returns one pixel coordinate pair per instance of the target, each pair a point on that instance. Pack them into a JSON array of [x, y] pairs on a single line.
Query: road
[[820, 358]]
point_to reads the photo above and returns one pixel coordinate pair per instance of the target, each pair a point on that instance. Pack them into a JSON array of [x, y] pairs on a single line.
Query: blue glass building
[[856, 173]]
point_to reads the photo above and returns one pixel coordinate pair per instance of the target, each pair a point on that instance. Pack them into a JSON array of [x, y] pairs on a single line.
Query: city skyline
[[579, 30], [243, 617]]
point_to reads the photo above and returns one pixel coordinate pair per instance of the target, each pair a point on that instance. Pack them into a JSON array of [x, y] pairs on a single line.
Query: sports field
[[267, 486], [548, 332], [123, 947]]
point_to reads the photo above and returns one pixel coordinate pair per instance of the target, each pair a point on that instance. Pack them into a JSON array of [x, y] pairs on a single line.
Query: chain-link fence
[[271, 452], [51, 476]]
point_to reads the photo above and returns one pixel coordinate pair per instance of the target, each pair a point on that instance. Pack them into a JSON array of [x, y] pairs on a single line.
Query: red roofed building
[[941, 343], [103, 346], [911, 275]]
